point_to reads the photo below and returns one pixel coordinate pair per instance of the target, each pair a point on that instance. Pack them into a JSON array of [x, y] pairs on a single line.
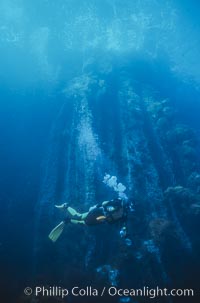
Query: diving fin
[[56, 232]]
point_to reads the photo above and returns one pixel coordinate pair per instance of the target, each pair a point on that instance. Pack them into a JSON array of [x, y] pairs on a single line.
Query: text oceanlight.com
[[57, 291]]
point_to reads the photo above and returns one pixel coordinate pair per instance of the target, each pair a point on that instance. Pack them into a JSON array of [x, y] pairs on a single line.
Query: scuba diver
[[110, 212]]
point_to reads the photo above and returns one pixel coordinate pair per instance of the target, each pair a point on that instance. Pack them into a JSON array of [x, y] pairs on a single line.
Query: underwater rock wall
[[109, 125]]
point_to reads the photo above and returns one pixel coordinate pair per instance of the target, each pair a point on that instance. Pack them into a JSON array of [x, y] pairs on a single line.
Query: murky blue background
[[88, 88]]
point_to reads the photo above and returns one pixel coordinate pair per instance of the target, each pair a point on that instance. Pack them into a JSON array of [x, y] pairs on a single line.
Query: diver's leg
[[84, 215], [62, 206], [77, 218], [74, 215], [73, 212], [77, 221]]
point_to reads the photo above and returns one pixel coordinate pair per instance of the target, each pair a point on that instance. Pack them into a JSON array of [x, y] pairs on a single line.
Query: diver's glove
[[62, 206]]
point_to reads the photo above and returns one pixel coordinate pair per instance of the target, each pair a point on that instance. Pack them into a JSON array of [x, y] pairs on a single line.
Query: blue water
[[82, 85]]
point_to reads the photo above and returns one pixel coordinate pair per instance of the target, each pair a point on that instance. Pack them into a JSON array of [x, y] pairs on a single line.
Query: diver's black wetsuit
[[110, 211]]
